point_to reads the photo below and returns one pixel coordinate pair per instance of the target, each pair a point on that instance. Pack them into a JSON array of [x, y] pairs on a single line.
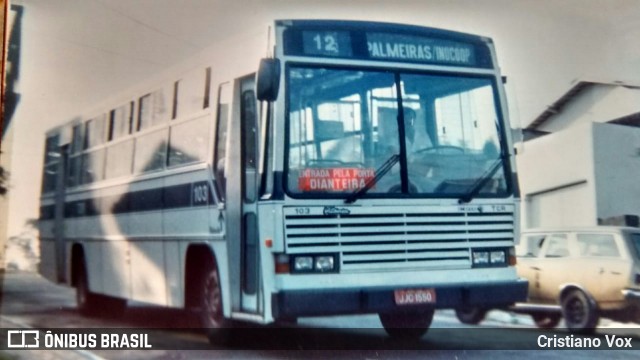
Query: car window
[[558, 246], [635, 240], [599, 245], [531, 245]]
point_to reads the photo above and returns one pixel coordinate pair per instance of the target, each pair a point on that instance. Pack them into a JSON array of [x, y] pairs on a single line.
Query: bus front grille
[[399, 237]]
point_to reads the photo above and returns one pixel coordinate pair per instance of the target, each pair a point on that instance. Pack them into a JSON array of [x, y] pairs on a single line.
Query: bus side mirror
[[268, 80]]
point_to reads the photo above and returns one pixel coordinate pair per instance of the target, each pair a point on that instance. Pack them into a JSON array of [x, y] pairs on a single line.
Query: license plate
[[415, 296]]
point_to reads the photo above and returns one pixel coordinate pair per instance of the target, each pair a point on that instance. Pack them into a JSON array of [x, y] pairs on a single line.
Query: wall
[[595, 103], [557, 179], [617, 169]]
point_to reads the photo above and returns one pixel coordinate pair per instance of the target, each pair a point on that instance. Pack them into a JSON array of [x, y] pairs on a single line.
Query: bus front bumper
[[288, 304]]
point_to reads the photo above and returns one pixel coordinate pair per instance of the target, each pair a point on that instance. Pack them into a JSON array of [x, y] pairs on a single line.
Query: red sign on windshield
[[334, 179]]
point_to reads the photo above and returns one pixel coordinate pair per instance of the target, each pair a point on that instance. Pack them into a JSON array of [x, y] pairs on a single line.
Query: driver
[[410, 132]]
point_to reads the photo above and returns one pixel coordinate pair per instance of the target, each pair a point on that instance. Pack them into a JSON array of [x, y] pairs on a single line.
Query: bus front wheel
[[212, 315], [407, 325], [471, 315]]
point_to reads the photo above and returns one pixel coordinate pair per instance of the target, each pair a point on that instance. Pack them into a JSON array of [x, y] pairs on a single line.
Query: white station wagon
[[579, 274]]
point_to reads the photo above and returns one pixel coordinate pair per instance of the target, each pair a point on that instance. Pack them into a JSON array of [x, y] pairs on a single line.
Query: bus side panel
[[48, 265], [147, 272], [93, 252], [145, 239], [174, 275], [117, 271]]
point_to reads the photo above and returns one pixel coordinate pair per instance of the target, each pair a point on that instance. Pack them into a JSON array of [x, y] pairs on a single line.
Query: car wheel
[[407, 325], [546, 321], [471, 315], [580, 312], [211, 315]]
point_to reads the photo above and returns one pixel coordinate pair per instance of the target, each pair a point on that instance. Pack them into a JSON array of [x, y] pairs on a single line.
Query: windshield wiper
[[481, 181], [380, 172]]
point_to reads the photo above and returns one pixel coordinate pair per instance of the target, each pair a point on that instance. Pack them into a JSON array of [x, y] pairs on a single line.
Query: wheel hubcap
[[576, 311]]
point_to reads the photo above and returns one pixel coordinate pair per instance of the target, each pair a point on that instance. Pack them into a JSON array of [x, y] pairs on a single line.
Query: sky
[[78, 52]]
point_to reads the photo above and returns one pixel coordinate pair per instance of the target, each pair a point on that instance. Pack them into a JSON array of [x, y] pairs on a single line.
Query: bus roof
[[380, 41], [386, 27]]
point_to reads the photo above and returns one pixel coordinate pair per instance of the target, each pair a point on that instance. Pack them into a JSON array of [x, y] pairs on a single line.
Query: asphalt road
[[28, 301]]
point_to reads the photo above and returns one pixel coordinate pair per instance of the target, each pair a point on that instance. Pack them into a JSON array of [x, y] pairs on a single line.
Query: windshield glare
[[345, 124]]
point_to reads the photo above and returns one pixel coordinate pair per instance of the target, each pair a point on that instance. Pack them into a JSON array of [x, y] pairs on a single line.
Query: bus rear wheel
[[91, 304], [211, 315], [407, 325], [87, 301]]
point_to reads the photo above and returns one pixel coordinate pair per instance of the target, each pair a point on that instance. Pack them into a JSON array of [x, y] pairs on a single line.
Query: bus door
[[59, 226], [241, 192]]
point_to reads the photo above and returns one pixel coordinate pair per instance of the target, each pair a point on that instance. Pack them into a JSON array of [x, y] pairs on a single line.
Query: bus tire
[[113, 307], [92, 304], [88, 303], [546, 321], [471, 315], [407, 325], [580, 312], [212, 318]]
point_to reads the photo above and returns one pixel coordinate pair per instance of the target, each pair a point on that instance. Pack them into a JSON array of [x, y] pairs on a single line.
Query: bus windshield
[[344, 124]]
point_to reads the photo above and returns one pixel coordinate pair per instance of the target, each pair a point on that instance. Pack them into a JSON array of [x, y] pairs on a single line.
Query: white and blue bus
[[353, 168]]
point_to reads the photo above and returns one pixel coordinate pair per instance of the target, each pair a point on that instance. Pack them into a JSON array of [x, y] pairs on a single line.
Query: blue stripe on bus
[[171, 197]]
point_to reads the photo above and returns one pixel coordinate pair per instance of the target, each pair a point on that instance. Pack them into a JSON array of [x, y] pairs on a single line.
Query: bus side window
[[207, 87], [224, 98], [155, 108], [190, 93], [95, 132], [51, 158], [73, 172], [151, 151], [120, 120]]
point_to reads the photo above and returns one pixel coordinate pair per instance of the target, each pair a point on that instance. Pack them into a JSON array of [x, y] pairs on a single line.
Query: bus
[[315, 168]]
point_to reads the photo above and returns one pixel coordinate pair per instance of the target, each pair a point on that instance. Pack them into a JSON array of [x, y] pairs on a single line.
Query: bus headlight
[[303, 263], [480, 258], [497, 257], [488, 257], [316, 263], [324, 263]]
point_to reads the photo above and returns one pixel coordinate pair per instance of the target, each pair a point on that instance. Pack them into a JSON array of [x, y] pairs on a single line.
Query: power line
[[143, 24], [100, 49]]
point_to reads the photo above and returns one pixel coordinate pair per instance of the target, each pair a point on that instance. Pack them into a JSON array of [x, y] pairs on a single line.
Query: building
[[10, 101], [580, 162]]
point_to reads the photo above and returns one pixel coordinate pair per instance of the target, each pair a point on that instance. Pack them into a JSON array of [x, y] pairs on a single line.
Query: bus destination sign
[[386, 46], [415, 48]]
